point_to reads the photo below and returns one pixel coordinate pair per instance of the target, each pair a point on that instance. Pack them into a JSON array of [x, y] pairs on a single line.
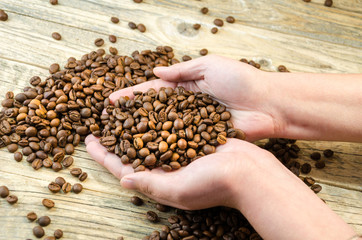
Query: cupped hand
[[209, 181], [237, 85]]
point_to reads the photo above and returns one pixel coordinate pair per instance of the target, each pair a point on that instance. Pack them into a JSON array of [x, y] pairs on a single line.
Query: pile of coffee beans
[[167, 129]]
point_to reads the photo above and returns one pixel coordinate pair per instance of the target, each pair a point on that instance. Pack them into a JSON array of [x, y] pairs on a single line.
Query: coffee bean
[[316, 188], [186, 58], [112, 39], [12, 199], [137, 1], [221, 139], [204, 10], [67, 187], [37, 164], [18, 156], [328, 153], [230, 19], [98, 42], [282, 68], [3, 15], [141, 27], [58, 233], [44, 221], [196, 26], [309, 181], [306, 168], [114, 19], [328, 3], [76, 172], [48, 203], [54, 187], [4, 191], [77, 188], [53, 2], [60, 181], [83, 176], [49, 238], [214, 30], [38, 231], [320, 164], [12, 147], [203, 52], [152, 216], [162, 208], [31, 216], [306, 0], [136, 201], [315, 156], [218, 22], [56, 36], [56, 166], [68, 161], [132, 25]]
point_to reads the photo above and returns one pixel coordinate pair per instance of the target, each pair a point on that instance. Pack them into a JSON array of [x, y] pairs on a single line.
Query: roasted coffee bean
[[141, 27], [315, 156], [4, 191], [328, 3], [99, 42], [112, 39], [56, 36], [136, 201], [37, 164], [18, 156], [67, 187], [282, 68], [132, 25], [38, 231], [56, 166], [31, 216], [230, 19], [306, 168], [328, 153], [12, 199], [203, 52], [309, 181], [114, 19], [44, 221], [320, 164], [196, 26], [12, 147], [53, 2], [83, 176], [204, 10], [218, 22], [152, 216], [58, 233], [76, 172], [49, 238], [3, 15], [137, 1], [68, 161], [60, 181], [214, 30], [316, 188], [77, 188], [162, 208], [48, 203], [53, 187], [54, 68]]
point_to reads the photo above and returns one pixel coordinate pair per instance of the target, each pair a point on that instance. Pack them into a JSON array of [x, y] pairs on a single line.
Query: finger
[[90, 138], [108, 160], [156, 84], [185, 71]]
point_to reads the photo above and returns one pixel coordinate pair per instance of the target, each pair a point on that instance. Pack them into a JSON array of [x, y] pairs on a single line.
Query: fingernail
[[128, 183]]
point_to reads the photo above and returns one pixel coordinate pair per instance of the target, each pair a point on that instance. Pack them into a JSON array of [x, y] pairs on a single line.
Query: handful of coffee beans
[[167, 129]]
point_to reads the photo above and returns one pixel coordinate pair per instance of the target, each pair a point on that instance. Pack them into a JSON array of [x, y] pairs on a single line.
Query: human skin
[[239, 174]]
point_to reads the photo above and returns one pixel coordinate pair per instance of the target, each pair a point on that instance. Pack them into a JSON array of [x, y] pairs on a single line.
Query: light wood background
[[303, 36]]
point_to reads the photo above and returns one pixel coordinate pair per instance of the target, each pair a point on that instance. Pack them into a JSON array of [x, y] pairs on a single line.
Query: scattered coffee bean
[[60, 181], [152, 216], [31, 216], [49, 238], [57, 166], [136, 201], [204, 10], [12, 199], [316, 188], [141, 27], [214, 30], [306, 168], [18, 156], [218, 22], [83, 176], [3, 15], [38, 231], [282, 68], [58, 233], [48, 203], [12, 147], [68, 161], [114, 19], [56, 36], [328, 153], [137, 1], [328, 3], [53, 187], [76, 172], [132, 25], [98, 42], [4, 191], [320, 164], [113, 51], [67, 187], [315, 156], [186, 58], [230, 19], [112, 39], [77, 188], [162, 208], [196, 26], [204, 52], [44, 221]]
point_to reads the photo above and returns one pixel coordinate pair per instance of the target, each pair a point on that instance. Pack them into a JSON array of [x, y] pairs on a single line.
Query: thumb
[[186, 71]]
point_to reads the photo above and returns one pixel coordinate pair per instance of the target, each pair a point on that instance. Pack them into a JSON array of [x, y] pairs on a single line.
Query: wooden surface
[[303, 36]]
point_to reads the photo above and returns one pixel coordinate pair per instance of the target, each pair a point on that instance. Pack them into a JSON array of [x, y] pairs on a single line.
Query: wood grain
[[306, 37]]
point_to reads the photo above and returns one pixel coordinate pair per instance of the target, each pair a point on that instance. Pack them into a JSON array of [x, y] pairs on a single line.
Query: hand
[[235, 84]]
